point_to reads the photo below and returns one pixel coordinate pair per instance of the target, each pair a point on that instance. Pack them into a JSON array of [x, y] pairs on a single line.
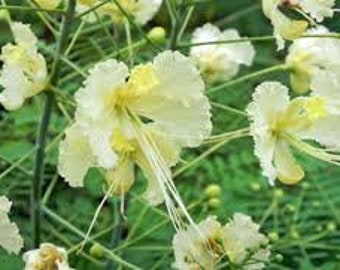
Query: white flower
[[198, 250], [244, 244], [220, 62], [318, 9], [48, 4], [48, 256], [326, 84], [10, 238], [309, 56], [24, 71], [278, 123], [109, 131], [141, 10], [284, 27]]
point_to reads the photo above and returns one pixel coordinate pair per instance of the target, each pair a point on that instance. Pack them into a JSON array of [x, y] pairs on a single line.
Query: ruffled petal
[[15, 83], [75, 157], [146, 10], [96, 113], [219, 62], [176, 103], [270, 100], [23, 35], [326, 84], [10, 238]]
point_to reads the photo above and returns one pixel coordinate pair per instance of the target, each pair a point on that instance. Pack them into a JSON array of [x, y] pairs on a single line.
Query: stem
[[33, 9], [117, 233], [43, 130], [247, 77], [251, 39], [76, 231]]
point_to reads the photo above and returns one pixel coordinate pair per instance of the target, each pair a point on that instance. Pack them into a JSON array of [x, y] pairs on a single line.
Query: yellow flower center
[[141, 82], [121, 144], [49, 258], [300, 115]]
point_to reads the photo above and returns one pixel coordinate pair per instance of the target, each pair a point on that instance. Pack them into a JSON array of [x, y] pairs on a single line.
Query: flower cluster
[[205, 246]]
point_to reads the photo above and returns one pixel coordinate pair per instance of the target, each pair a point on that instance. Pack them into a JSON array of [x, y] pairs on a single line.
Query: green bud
[[294, 234], [278, 193], [4, 15], [212, 191], [97, 251], [157, 34], [290, 208], [316, 203], [214, 203], [273, 236], [331, 227], [278, 258], [254, 186]]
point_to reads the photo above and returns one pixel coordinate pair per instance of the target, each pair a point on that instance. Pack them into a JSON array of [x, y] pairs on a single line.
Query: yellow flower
[[278, 123], [10, 238], [47, 257], [284, 27], [24, 71], [143, 118]]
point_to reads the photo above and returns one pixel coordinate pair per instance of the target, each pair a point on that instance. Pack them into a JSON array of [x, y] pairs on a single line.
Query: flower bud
[[212, 191], [97, 251], [273, 236], [214, 203], [157, 34]]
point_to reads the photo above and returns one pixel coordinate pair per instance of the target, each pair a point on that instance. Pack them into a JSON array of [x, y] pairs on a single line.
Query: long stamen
[[316, 152], [96, 214]]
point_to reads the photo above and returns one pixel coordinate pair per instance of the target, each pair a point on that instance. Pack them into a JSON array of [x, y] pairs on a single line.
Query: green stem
[[251, 39], [43, 130], [248, 77], [76, 231], [34, 9]]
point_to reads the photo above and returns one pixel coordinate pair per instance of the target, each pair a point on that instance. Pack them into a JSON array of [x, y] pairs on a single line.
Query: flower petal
[[177, 104], [288, 170], [75, 157], [121, 178], [270, 100], [10, 238], [96, 111], [146, 10]]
